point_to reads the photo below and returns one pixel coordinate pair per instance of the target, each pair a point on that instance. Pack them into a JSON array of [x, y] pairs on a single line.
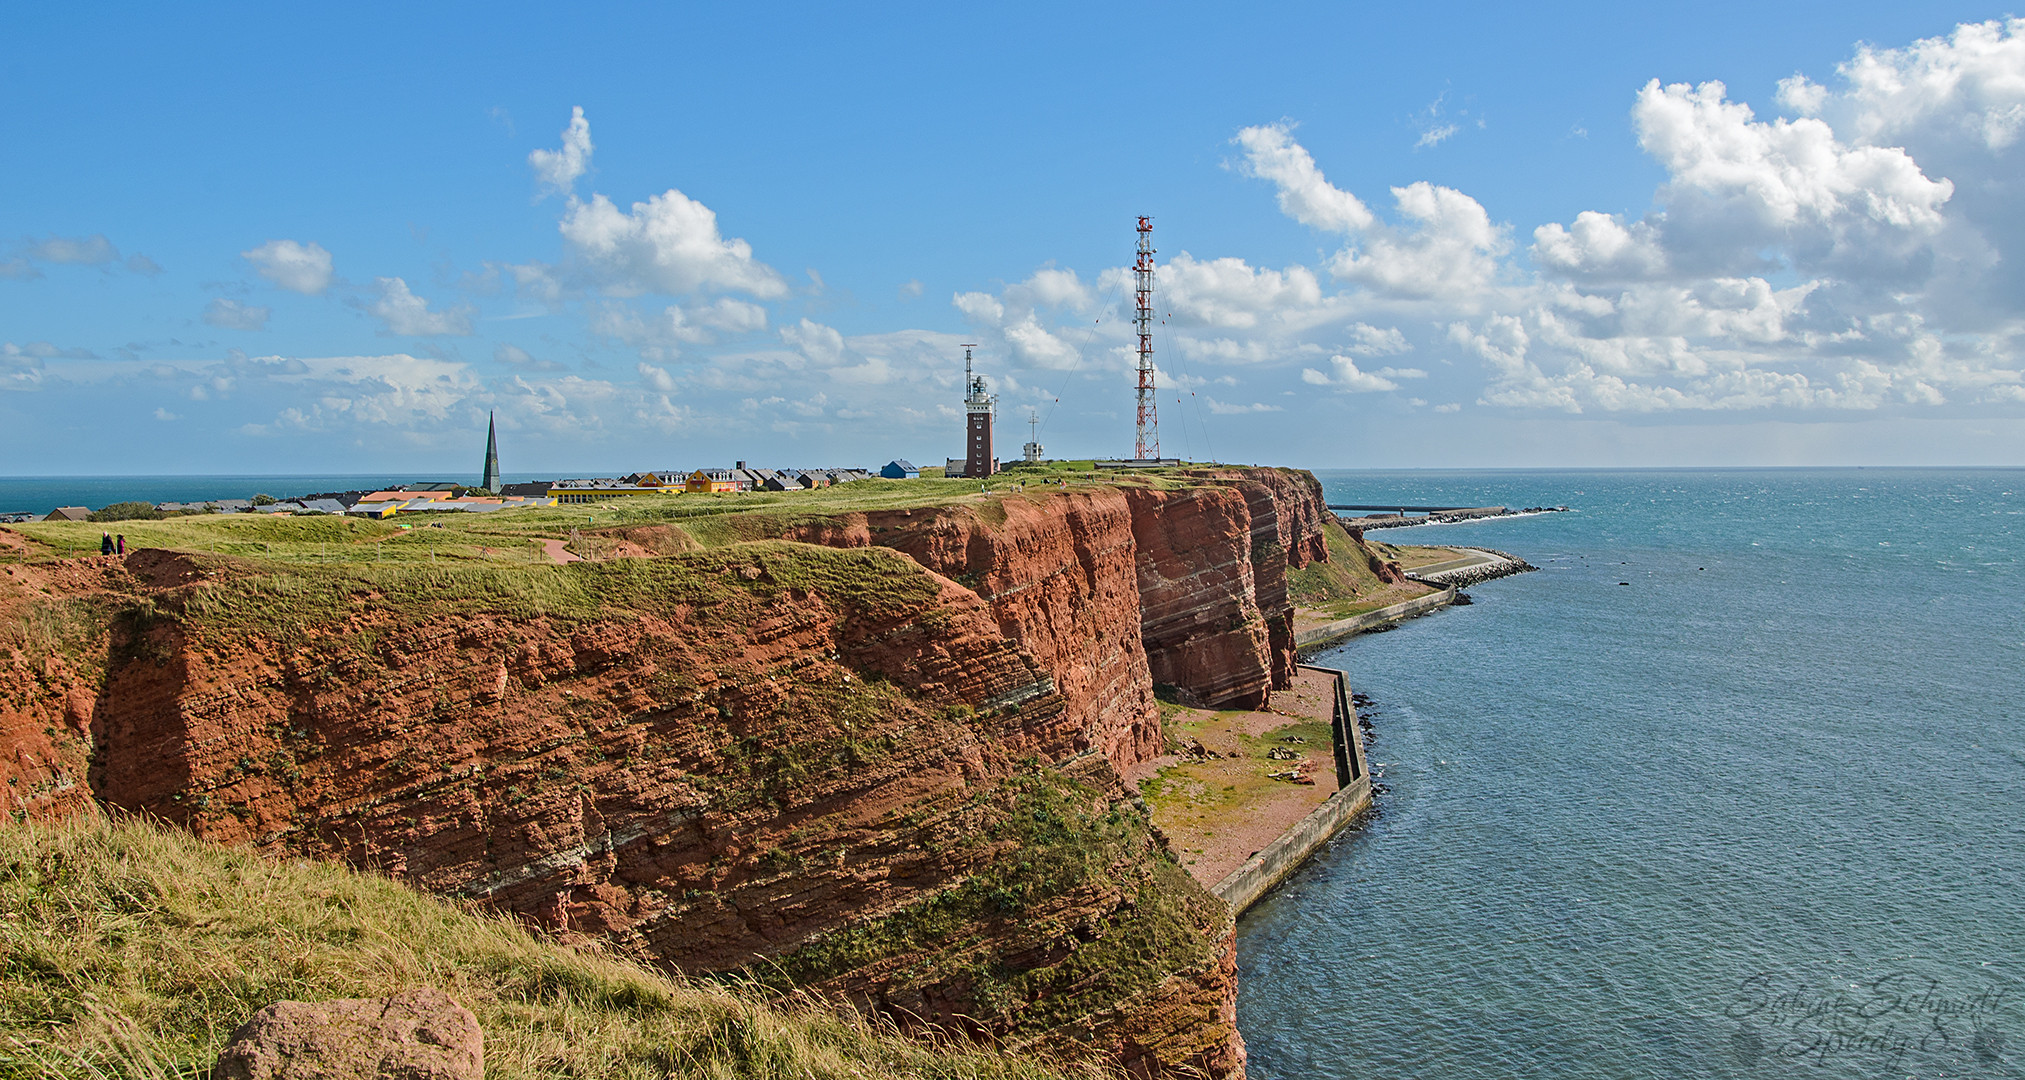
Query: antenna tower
[[1146, 446]]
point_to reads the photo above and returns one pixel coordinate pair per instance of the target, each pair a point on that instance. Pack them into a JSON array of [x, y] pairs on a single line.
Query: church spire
[[491, 480]]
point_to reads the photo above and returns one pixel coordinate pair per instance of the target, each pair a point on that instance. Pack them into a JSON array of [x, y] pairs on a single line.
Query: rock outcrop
[[1057, 570], [1118, 591], [771, 756], [887, 775], [51, 668], [417, 1034]]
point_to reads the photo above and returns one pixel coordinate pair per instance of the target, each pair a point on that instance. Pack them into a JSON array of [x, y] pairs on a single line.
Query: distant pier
[[1395, 516]]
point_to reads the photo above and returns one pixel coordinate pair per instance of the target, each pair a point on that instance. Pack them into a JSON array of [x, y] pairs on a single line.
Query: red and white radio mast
[[1146, 447]]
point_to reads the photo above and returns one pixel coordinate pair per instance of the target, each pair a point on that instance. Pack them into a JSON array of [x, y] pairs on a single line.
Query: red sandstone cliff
[[764, 752], [1057, 571], [737, 757], [54, 643], [1118, 590]]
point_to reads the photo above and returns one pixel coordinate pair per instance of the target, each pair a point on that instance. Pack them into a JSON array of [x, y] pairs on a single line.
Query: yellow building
[[701, 482]]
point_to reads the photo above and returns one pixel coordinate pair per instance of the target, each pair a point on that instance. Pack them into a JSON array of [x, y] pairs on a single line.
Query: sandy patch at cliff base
[[1216, 812]]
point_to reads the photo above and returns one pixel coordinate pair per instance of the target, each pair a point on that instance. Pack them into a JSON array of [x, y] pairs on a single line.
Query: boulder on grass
[[417, 1034]]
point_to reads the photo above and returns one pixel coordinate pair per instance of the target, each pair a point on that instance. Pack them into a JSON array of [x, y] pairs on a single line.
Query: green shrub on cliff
[[128, 951]]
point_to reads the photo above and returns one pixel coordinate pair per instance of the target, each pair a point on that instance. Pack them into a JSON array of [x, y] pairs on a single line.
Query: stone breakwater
[[1448, 517], [1486, 565], [878, 758]]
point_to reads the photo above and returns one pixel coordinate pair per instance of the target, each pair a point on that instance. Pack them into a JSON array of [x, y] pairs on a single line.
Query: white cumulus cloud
[[1272, 154], [1446, 244], [405, 313], [1344, 374], [557, 170], [669, 244], [303, 268]]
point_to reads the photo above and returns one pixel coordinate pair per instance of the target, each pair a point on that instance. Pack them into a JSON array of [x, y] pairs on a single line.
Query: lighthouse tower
[[979, 405]]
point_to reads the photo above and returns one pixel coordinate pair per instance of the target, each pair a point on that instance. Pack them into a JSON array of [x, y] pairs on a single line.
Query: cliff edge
[[870, 752]]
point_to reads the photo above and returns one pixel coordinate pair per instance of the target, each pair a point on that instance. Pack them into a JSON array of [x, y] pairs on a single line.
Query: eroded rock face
[[1288, 515], [745, 757], [49, 678], [417, 1034], [1113, 591], [771, 757], [655, 775], [1198, 600], [1058, 574]]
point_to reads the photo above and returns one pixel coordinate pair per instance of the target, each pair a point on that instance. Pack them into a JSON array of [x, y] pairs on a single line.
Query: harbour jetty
[[1376, 516], [1471, 566]]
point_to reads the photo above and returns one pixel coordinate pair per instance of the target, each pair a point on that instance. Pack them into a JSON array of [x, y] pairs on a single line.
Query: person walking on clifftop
[[105, 544], [120, 544]]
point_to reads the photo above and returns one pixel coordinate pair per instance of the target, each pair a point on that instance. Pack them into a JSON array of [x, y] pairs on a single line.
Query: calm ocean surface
[[1760, 812], [41, 494]]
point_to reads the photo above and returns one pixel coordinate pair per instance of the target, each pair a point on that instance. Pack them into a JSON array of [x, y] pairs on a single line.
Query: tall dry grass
[[129, 951]]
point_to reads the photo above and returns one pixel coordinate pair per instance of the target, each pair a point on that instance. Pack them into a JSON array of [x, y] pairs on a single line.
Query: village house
[[602, 488], [710, 482]]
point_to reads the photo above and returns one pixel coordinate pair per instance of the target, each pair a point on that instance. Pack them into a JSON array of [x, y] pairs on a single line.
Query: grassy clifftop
[[1349, 584], [130, 951], [687, 522]]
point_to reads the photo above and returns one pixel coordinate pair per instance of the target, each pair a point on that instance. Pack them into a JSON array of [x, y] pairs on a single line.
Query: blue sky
[[250, 239]]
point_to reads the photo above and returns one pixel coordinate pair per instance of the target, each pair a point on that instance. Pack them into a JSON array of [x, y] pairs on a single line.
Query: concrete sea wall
[[1244, 886]]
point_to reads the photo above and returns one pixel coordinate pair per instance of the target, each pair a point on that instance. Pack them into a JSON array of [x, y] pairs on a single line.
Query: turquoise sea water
[[1733, 787]]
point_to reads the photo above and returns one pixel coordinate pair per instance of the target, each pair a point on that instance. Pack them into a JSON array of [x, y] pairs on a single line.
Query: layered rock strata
[[885, 775], [1058, 573], [772, 757], [1118, 591]]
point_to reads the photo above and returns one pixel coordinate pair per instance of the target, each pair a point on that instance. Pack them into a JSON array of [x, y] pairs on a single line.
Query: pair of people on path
[[110, 545]]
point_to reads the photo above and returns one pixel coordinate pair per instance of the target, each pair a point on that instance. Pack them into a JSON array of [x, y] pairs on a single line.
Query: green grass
[[287, 600], [1346, 585], [505, 537], [128, 951], [512, 537]]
